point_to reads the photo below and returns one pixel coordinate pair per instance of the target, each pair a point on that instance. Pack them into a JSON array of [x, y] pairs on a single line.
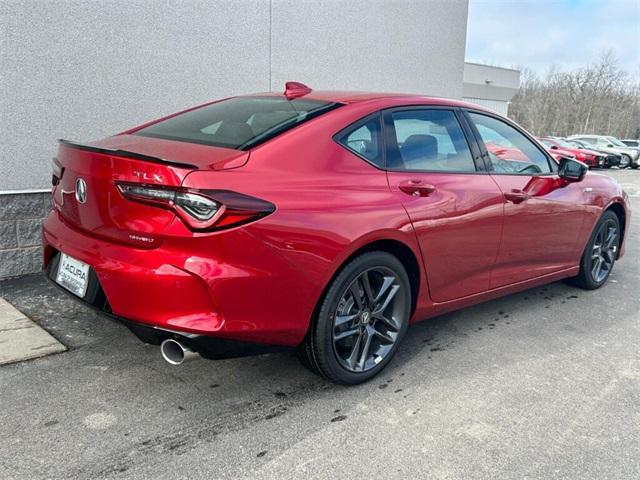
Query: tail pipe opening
[[176, 352]]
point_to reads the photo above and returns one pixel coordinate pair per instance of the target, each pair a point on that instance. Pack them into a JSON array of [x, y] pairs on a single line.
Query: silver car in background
[[605, 143]]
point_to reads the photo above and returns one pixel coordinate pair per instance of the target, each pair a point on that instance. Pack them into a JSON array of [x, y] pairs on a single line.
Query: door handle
[[416, 188], [516, 196]]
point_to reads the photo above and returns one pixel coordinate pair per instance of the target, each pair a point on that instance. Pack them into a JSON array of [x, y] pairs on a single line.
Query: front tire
[[361, 320], [625, 161], [600, 254]]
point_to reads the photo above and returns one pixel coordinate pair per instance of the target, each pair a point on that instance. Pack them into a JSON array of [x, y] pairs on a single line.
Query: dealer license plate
[[73, 275]]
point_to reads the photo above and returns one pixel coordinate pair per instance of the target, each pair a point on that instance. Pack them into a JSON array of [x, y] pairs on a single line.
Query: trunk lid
[[87, 196]]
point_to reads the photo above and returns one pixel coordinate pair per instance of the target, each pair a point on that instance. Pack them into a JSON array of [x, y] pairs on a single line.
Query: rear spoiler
[[126, 154]]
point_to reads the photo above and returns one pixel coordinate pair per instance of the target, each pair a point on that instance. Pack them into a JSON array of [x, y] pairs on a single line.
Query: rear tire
[[360, 321], [600, 254]]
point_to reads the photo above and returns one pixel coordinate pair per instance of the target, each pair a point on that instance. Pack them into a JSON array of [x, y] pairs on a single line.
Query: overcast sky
[[541, 33]]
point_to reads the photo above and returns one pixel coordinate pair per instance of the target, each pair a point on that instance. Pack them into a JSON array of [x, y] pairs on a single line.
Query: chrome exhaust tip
[[175, 352]]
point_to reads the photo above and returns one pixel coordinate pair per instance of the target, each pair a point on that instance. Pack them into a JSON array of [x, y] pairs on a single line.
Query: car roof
[[351, 97]]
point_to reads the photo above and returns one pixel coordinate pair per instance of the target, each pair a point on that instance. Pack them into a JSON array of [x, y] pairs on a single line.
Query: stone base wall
[[21, 217]]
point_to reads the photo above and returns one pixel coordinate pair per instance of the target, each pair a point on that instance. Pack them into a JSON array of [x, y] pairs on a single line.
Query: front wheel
[[361, 320], [600, 253]]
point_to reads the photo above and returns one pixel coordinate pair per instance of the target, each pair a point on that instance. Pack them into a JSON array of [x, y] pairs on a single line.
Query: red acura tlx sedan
[[321, 221]]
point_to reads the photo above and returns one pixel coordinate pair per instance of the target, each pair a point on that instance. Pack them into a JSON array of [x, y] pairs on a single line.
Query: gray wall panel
[[84, 70], [384, 45], [87, 69]]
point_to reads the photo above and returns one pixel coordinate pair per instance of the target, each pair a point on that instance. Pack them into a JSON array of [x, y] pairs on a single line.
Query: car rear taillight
[[57, 171], [200, 210]]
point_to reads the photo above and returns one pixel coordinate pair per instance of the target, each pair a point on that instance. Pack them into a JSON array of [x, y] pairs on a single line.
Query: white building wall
[[489, 86], [499, 106], [478, 73]]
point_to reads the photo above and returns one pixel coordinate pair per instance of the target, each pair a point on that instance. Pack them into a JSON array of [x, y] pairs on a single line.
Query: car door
[[542, 214], [456, 208]]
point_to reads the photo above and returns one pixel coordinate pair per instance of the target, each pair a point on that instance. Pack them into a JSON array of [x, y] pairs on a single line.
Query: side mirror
[[553, 147], [572, 170]]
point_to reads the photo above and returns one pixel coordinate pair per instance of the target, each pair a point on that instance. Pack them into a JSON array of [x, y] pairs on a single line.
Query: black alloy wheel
[[604, 250], [366, 321], [360, 321], [600, 253]]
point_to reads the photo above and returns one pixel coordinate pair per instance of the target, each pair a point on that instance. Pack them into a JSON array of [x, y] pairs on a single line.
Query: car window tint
[[239, 123], [428, 140], [509, 150], [365, 139]]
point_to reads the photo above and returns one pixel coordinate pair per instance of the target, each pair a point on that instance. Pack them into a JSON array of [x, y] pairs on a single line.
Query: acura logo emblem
[[81, 190]]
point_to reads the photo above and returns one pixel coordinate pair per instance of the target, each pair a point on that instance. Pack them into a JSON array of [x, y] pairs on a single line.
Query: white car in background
[[605, 143]]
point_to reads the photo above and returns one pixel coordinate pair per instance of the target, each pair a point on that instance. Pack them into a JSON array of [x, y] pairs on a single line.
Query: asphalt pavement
[[543, 384]]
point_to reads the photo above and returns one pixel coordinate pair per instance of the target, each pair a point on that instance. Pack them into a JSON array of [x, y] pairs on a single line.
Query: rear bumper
[[180, 288], [208, 347]]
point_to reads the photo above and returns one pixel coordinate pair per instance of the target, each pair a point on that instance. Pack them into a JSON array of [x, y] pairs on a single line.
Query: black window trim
[[553, 165]]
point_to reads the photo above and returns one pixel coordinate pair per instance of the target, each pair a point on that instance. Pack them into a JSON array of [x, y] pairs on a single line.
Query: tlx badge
[[148, 176]]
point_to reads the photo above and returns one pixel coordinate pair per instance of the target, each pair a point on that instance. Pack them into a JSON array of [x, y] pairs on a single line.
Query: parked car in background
[[619, 143], [630, 155], [322, 221], [631, 143], [556, 145], [611, 159]]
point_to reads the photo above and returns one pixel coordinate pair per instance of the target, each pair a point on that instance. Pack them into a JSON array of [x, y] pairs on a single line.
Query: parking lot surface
[[541, 384]]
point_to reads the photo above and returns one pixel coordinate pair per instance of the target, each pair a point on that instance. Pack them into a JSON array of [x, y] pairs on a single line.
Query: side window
[[365, 139], [428, 140], [509, 150]]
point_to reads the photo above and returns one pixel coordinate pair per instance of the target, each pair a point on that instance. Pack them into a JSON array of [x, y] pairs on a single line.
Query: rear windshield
[[239, 123]]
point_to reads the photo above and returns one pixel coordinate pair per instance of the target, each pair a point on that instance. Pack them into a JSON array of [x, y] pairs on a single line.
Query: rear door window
[[428, 140], [239, 123]]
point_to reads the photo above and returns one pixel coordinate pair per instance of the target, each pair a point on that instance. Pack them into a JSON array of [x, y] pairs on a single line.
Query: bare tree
[[600, 98]]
